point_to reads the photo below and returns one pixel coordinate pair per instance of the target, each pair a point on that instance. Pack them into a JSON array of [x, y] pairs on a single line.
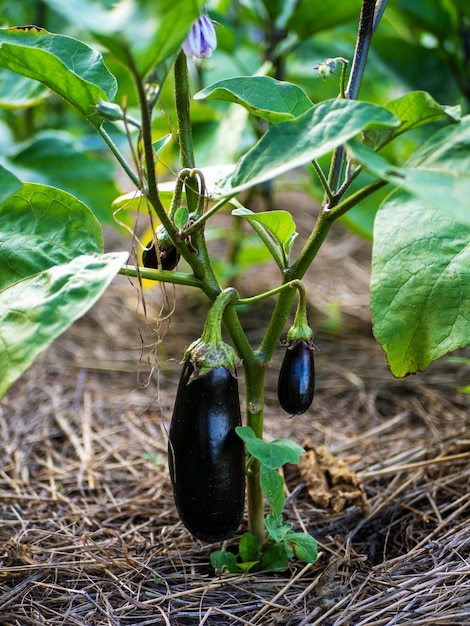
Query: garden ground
[[88, 530]]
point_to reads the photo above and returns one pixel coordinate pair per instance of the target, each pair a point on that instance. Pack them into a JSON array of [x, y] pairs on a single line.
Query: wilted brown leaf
[[330, 481]]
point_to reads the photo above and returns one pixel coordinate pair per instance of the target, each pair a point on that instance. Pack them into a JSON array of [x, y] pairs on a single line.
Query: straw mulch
[[88, 530]]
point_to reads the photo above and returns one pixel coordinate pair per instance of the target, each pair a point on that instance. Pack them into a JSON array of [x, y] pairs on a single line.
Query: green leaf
[[145, 30], [248, 548], [275, 559], [181, 217], [296, 142], [420, 292], [58, 159], [412, 109], [247, 566], [272, 485], [277, 527], [36, 310], [273, 454], [279, 223], [441, 176], [303, 546], [263, 96], [65, 65], [162, 142], [19, 92], [9, 184], [312, 17], [41, 227], [223, 561]]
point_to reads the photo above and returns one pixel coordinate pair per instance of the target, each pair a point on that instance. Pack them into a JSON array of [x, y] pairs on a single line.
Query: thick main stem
[[366, 28], [254, 376]]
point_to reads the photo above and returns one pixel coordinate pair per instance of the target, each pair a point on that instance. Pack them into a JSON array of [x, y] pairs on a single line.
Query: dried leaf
[[330, 481]]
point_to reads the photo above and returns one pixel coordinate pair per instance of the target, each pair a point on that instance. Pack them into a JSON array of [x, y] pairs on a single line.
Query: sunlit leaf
[[36, 310], [290, 144], [441, 173], [412, 109], [67, 66], [279, 223], [41, 227], [19, 92], [262, 96]]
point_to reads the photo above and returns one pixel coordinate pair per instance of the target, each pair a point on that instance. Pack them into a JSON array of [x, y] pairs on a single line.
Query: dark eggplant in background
[[206, 456]]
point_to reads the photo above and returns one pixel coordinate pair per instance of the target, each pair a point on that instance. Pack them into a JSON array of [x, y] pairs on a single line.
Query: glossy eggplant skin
[[169, 257], [296, 384], [206, 456]]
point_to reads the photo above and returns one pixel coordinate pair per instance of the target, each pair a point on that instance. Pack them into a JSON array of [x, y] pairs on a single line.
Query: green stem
[[164, 276], [366, 25], [271, 292], [184, 132], [208, 214], [212, 332], [300, 329], [119, 156], [323, 180], [200, 260], [254, 377], [151, 190], [351, 201]]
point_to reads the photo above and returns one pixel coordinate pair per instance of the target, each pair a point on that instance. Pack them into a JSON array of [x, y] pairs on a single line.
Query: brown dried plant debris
[[330, 482]]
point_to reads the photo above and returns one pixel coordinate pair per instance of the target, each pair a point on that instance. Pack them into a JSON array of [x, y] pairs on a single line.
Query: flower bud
[[201, 40]]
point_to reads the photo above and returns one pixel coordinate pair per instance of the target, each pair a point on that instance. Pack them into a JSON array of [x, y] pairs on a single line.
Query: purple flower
[[201, 40]]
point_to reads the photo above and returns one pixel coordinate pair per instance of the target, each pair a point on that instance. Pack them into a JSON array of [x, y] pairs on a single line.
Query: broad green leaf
[[273, 454], [41, 227], [303, 546], [441, 178], [412, 109], [296, 142], [223, 561], [58, 159], [150, 31], [272, 485], [420, 287], [248, 548], [279, 223], [36, 310], [275, 559], [312, 17], [262, 96], [65, 65], [277, 527], [9, 184], [19, 92]]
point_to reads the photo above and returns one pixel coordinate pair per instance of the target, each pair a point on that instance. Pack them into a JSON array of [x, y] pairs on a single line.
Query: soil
[[88, 530]]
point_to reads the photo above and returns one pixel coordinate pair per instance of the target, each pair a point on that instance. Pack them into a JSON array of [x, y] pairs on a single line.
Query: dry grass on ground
[[88, 530]]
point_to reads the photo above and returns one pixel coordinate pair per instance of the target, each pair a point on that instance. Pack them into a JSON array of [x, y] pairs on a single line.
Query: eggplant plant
[[401, 163]]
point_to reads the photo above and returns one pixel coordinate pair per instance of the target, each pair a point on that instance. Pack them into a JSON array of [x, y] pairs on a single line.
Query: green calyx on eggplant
[[296, 383], [167, 257], [206, 456]]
